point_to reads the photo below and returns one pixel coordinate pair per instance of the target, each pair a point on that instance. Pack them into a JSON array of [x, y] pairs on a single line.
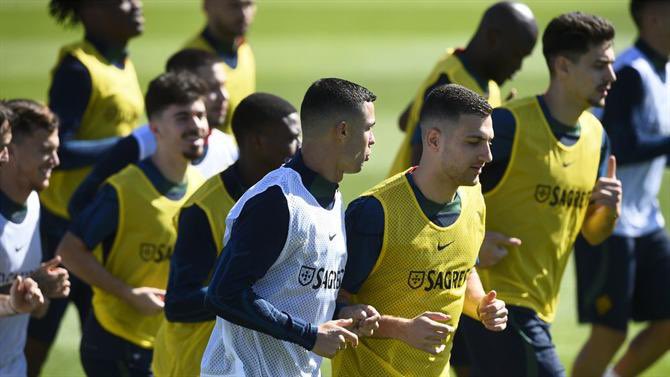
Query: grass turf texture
[[388, 46]]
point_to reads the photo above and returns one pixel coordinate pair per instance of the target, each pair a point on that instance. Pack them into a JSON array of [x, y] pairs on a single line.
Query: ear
[[562, 65], [153, 126], [342, 130], [432, 139]]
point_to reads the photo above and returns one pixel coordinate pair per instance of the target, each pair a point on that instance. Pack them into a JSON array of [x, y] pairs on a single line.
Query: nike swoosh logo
[[331, 236], [566, 164], [18, 248], [441, 247]]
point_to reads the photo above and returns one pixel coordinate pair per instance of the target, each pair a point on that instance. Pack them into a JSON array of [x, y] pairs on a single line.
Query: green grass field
[[388, 46]]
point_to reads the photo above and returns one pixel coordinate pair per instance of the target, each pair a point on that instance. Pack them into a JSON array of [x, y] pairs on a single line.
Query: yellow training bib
[[451, 66], [179, 345], [114, 109], [140, 254], [541, 199], [421, 267]]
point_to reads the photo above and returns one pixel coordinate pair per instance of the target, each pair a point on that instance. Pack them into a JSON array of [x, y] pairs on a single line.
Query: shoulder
[[365, 215]]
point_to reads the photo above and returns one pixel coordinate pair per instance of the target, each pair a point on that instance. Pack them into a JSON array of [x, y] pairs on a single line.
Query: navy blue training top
[[68, 98], [247, 257]]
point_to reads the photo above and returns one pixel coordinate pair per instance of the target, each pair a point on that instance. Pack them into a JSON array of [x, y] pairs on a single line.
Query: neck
[[224, 39], [109, 42], [13, 186], [659, 45], [563, 107], [475, 59], [172, 167], [437, 190], [249, 171], [319, 157]]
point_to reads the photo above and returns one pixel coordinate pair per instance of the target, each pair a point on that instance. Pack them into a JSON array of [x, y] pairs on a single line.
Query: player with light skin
[[274, 297], [617, 280], [130, 226], [537, 207], [5, 134], [457, 132], [224, 34], [505, 36], [33, 155]]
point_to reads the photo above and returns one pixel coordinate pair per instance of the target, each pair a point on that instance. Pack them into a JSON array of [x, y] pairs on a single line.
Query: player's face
[[466, 149], [511, 54], [280, 142], [5, 139], [359, 141], [217, 99], [183, 128], [35, 157], [121, 18], [591, 76], [231, 17]]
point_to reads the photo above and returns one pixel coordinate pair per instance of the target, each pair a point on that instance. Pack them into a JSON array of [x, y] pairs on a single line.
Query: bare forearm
[[598, 224], [78, 259], [5, 306], [391, 327], [474, 292]]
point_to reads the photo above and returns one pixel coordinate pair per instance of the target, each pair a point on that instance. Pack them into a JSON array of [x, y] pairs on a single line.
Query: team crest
[[415, 279], [306, 275], [542, 193]]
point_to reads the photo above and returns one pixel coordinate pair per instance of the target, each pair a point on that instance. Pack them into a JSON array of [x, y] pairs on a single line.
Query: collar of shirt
[[114, 56], [232, 181], [225, 51], [438, 213], [560, 130], [322, 189], [12, 211], [171, 190], [657, 60]]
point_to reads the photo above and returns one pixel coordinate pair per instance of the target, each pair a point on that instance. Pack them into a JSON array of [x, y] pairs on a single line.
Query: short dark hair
[[451, 101], [332, 97], [66, 12], [191, 60], [28, 116], [636, 8], [5, 114], [173, 88], [258, 112], [572, 34]]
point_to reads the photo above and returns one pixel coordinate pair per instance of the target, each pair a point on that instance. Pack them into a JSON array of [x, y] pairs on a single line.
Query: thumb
[[611, 167], [490, 297], [16, 285], [510, 241], [54, 262], [437, 316]]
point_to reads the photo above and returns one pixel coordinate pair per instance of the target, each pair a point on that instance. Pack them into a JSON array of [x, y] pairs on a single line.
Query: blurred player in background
[[95, 93], [267, 129], [220, 148], [32, 153], [122, 242], [551, 178], [225, 35], [275, 285], [412, 243], [5, 134], [620, 280], [505, 36]]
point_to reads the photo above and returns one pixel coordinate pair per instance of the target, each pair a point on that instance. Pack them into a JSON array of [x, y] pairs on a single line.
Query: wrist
[[11, 307]]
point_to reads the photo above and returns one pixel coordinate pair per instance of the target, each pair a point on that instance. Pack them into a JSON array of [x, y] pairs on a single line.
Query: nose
[[611, 73], [371, 138], [55, 161], [487, 156]]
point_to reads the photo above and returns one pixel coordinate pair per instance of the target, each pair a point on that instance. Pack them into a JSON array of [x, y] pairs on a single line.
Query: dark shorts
[[623, 278], [459, 350], [524, 348], [105, 354], [52, 229]]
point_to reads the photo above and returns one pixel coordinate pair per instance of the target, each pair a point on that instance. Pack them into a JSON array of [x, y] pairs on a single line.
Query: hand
[[607, 191], [25, 295], [492, 312], [147, 300], [427, 333], [53, 280], [366, 318], [494, 248], [333, 336]]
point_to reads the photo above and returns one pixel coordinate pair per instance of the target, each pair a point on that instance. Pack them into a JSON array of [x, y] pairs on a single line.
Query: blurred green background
[[388, 46]]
